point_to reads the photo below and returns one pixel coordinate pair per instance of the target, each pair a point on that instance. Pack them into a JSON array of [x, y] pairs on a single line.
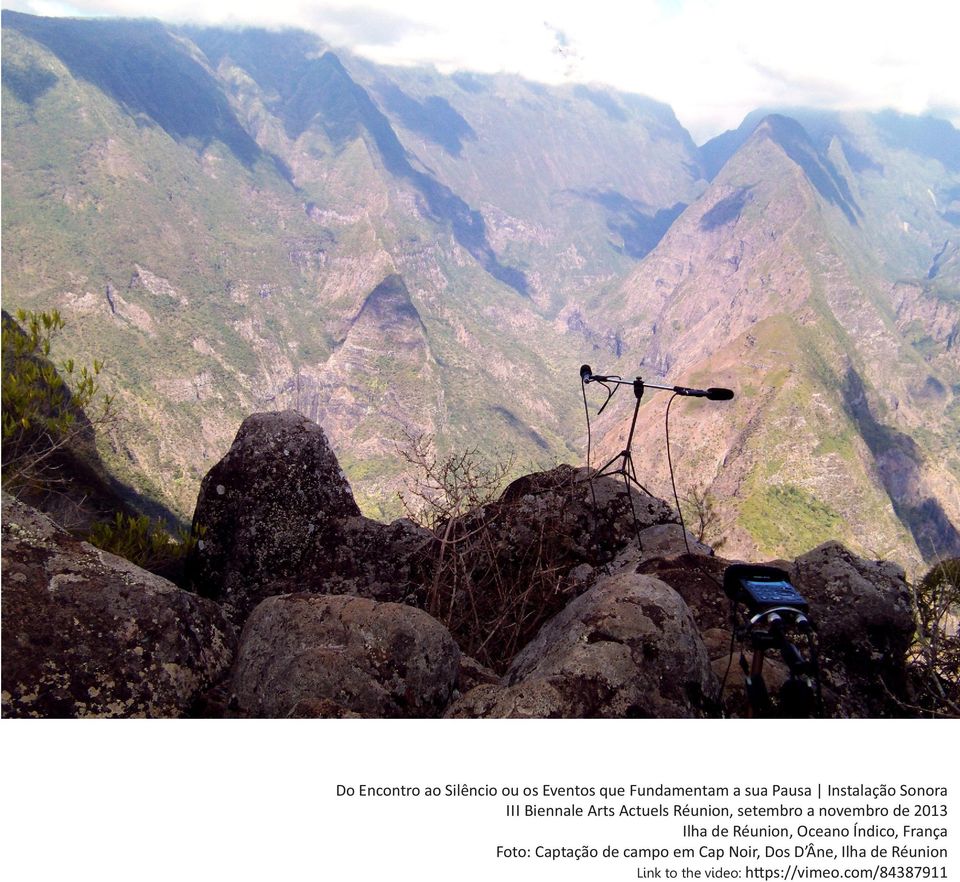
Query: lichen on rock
[[277, 515], [304, 655], [87, 633]]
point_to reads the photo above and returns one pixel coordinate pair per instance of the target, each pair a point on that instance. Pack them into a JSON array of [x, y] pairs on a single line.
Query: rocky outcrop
[[305, 655], [276, 515], [591, 518], [551, 606], [862, 613], [501, 571], [628, 647], [865, 627], [88, 634], [548, 586]]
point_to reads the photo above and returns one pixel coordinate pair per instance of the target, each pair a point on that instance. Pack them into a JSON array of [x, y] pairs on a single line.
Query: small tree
[[935, 657], [447, 488], [701, 516], [46, 408]]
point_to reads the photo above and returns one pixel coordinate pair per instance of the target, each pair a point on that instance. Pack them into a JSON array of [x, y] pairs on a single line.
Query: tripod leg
[[603, 469], [633, 477], [757, 693], [633, 511]]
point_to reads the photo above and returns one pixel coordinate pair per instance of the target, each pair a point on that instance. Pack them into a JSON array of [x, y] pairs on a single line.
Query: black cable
[[593, 493], [673, 483], [610, 392], [733, 641], [586, 410], [815, 664]]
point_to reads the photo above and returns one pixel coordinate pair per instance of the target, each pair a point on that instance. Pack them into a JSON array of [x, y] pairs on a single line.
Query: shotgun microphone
[[713, 393]]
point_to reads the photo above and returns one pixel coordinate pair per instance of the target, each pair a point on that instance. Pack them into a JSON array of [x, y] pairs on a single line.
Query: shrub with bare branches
[[445, 488], [500, 566], [702, 517], [935, 657]]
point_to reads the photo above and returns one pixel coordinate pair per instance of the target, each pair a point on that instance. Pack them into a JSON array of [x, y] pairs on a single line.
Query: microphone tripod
[[622, 463]]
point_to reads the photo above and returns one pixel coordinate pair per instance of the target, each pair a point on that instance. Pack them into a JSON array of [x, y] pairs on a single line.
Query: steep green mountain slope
[[281, 247], [773, 284], [152, 242], [898, 173], [240, 220], [573, 216]]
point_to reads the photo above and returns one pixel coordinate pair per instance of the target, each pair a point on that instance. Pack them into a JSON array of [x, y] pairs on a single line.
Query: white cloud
[[711, 60]]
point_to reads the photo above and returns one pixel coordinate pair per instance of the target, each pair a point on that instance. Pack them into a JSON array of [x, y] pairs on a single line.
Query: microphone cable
[[673, 482], [586, 411], [697, 568], [593, 493]]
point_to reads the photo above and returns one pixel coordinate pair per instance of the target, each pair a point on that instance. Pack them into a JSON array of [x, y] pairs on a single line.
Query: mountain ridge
[[513, 231], [723, 292]]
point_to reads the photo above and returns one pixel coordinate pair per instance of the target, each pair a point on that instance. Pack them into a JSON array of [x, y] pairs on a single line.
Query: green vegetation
[[145, 542], [787, 520], [840, 444], [46, 408]]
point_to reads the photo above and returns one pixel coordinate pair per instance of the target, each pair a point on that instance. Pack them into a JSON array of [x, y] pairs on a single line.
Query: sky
[[713, 61]]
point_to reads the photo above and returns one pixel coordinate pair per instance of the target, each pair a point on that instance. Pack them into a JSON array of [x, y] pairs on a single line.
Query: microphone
[[713, 393], [588, 376]]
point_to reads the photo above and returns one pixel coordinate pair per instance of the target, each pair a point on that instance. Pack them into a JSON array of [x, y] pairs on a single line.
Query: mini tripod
[[800, 694]]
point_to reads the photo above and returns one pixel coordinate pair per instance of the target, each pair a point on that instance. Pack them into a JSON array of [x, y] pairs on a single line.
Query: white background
[[105, 800]]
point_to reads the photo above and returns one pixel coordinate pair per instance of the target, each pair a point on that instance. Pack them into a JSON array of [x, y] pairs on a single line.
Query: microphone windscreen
[[717, 394], [586, 372]]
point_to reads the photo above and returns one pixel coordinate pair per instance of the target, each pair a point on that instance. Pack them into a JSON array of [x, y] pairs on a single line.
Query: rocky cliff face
[[330, 608]]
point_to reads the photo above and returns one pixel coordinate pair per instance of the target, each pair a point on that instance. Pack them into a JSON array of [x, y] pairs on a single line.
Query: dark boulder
[[628, 647], [277, 515], [865, 627], [310, 655], [591, 518], [86, 633]]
